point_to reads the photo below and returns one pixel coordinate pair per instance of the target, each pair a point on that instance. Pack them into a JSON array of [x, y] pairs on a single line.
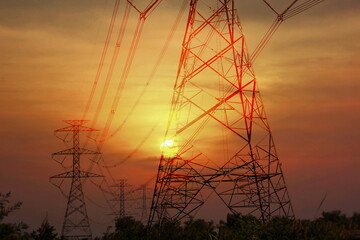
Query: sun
[[168, 148]]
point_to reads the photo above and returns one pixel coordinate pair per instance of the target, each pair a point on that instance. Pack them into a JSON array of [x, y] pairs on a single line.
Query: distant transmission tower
[[144, 199], [218, 127], [76, 222], [121, 199]]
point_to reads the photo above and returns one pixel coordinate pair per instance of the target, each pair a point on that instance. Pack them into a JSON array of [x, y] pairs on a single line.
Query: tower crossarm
[[70, 174], [76, 128], [72, 151]]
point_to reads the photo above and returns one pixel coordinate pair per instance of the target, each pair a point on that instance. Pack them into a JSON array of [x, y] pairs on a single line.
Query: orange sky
[[308, 77]]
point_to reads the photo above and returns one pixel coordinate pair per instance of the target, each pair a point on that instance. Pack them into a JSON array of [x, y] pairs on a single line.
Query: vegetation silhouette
[[330, 226]]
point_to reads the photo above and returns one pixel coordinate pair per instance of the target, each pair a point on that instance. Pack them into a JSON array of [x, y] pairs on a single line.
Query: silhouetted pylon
[[221, 143], [76, 221], [121, 198]]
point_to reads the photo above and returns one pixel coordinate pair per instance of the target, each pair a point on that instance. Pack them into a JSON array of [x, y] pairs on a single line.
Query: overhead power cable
[[114, 58], [102, 58], [127, 65], [289, 12], [153, 72], [301, 8]]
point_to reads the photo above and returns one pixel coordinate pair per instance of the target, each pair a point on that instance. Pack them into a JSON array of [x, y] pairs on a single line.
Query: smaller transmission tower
[[121, 198], [144, 208], [76, 222]]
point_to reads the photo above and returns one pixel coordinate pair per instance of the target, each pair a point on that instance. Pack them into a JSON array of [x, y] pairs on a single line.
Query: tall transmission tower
[[76, 221], [220, 142]]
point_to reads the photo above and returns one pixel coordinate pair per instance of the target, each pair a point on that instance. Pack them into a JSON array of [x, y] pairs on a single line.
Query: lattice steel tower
[[217, 122], [144, 200], [121, 198], [76, 221]]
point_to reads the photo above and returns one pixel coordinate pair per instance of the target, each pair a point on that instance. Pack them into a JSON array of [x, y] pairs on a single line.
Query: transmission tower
[[122, 198], [217, 127], [144, 199], [76, 221]]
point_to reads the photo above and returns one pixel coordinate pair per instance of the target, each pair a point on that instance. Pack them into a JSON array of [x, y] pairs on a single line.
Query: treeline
[[330, 226], [18, 231]]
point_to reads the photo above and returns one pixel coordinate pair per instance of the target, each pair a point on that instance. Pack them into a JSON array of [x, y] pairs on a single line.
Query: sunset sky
[[308, 76]]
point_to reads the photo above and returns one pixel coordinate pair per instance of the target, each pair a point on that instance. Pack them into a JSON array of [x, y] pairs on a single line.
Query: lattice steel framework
[[144, 200], [121, 198], [76, 221], [217, 119]]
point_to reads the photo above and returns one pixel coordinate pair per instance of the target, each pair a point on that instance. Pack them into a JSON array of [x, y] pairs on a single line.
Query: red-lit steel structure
[[218, 121]]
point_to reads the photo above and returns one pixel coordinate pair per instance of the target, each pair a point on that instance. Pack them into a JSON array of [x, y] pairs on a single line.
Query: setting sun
[[168, 148]]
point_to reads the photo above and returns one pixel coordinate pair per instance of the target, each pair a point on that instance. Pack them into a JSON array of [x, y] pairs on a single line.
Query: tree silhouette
[[10, 231], [241, 227], [44, 232], [198, 229], [4, 208], [332, 225]]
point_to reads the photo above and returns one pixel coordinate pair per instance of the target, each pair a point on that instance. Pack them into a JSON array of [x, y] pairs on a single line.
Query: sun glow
[[168, 148]]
